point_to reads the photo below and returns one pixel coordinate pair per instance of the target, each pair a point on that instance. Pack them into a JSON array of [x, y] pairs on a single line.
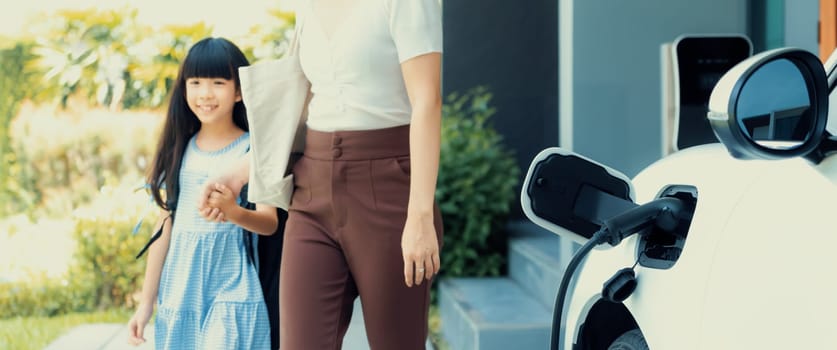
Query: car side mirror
[[772, 105], [570, 195]]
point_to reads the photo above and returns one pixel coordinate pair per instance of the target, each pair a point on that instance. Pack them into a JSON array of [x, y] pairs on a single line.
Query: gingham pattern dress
[[209, 296]]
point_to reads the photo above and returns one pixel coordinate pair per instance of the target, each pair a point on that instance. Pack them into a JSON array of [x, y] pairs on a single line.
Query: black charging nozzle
[[662, 212]]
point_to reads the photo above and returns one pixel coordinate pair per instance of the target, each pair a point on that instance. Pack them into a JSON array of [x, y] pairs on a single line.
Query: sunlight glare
[[230, 18]]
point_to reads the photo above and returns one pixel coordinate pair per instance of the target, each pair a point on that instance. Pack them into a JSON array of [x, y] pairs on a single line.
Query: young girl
[[198, 272]]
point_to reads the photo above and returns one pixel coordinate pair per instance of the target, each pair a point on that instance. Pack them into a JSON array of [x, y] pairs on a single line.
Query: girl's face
[[212, 99]]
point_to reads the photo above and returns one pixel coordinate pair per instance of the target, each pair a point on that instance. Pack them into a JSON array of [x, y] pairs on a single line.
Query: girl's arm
[[263, 220], [419, 244], [151, 284]]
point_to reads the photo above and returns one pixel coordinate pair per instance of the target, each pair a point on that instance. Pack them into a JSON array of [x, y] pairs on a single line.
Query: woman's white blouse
[[355, 73]]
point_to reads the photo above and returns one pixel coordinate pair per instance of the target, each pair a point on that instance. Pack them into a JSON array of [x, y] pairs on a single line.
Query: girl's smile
[[206, 107]]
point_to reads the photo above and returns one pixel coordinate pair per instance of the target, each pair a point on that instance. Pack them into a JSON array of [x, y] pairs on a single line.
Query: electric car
[[730, 245]]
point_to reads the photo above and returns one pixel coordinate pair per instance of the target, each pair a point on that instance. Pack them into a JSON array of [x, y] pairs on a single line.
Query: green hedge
[[42, 296], [104, 260], [103, 274], [477, 176], [17, 80], [81, 152]]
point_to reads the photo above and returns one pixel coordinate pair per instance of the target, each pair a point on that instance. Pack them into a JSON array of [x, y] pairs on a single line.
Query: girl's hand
[[420, 249], [212, 213], [223, 199], [136, 326]]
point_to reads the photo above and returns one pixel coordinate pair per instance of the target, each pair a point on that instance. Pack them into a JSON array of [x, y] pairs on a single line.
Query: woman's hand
[[420, 249], [136, 326]]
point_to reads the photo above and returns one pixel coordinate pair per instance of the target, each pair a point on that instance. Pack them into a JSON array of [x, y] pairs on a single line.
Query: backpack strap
[[248, 236], [156, 235], [171, 203]]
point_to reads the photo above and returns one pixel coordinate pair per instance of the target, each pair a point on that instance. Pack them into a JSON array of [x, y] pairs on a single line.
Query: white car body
[[759, 266]]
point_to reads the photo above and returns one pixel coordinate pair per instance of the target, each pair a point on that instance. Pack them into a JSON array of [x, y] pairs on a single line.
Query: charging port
[[660, 249]]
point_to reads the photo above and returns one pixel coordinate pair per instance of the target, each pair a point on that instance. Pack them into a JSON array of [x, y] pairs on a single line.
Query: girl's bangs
[[208, 59]]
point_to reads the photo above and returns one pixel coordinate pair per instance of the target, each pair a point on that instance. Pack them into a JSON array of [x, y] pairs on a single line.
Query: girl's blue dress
[[209, 296]]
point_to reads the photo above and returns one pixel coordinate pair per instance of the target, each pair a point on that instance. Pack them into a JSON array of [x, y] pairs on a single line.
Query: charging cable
[[662, 212]]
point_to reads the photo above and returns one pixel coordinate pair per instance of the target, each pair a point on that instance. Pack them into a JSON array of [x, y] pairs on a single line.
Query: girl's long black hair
[[207, 58]]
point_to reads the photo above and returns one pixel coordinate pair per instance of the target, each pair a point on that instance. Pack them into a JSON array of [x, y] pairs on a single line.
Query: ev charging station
[[691, 65]]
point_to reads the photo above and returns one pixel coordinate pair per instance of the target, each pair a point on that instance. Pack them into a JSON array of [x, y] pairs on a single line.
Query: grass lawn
[[35, 333], [435, 324]]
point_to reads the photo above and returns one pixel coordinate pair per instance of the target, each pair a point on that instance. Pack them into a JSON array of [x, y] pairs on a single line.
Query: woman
[[363, 220]]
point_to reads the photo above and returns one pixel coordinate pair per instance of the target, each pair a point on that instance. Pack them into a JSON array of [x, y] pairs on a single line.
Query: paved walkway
[[111, 336]]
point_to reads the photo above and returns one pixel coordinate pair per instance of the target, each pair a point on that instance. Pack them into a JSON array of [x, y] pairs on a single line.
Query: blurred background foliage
[[18, 81], [78, 61], [103, 273]]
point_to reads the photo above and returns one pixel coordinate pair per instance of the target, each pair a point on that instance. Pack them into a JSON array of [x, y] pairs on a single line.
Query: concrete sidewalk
[[114, 336]]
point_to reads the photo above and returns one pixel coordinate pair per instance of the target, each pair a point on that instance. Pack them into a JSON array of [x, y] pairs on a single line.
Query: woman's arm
[[419, 244], [263, 220]]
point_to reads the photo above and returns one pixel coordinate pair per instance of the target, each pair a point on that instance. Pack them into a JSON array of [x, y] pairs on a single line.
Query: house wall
[[610, 71], [801, 18], [512, 49]]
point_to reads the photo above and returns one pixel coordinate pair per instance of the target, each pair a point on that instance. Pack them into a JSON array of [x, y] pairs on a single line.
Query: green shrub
[[82, 151], [104, 259], [477, 175], [42, 296], [17, 81], [103, 273]]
